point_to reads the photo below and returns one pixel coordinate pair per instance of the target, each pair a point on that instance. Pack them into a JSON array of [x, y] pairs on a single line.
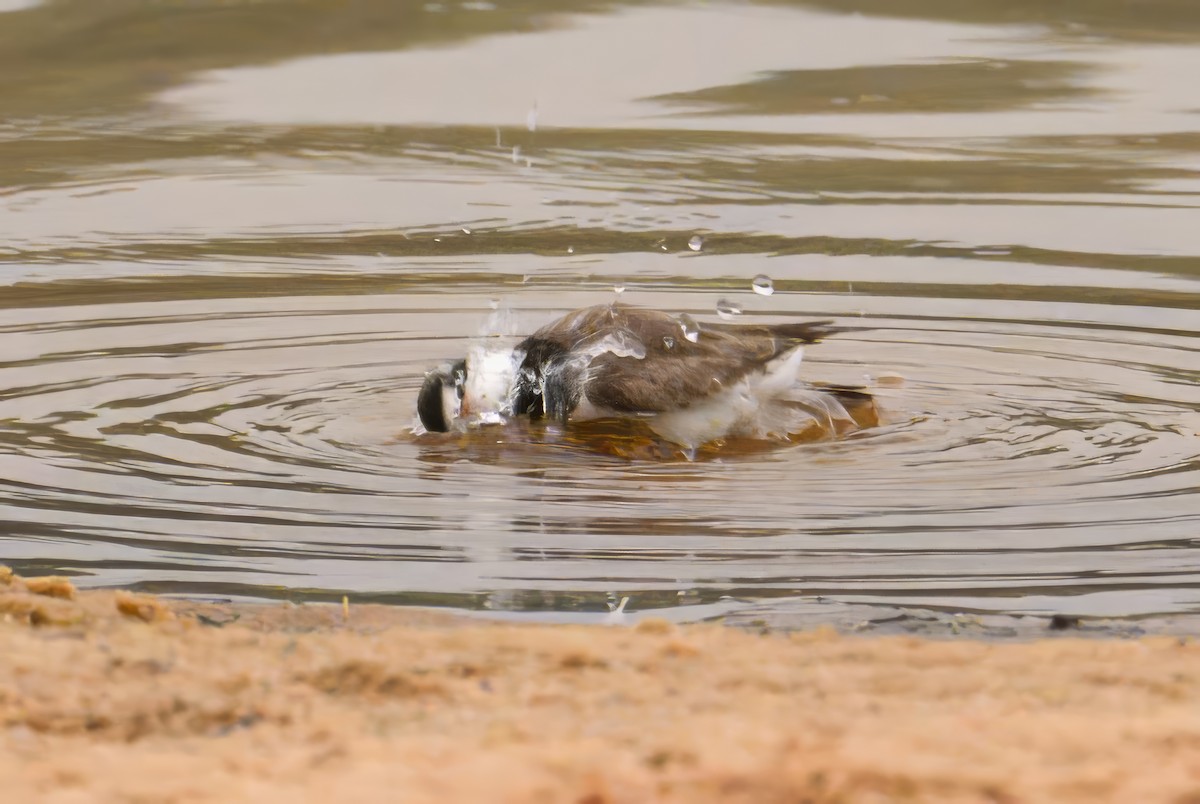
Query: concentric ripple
[[264, 448]]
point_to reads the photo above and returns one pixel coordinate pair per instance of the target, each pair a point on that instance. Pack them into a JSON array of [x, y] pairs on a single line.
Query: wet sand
[[116, 697]]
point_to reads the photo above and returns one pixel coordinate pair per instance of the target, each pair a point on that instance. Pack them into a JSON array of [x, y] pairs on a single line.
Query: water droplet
[[618, 289], [499, 143], [621, 343], [516, 157], [437, 239], [763, 285], [689, 327], [466, 230], [531, 118], [570, 249], [696, 243], [668, 342], [728, 310]]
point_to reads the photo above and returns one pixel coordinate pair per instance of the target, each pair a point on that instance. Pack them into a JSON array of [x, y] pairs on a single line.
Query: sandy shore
[[116, 697]]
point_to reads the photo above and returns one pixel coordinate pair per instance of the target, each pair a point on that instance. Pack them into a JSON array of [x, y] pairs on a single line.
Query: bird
[[693, 383]]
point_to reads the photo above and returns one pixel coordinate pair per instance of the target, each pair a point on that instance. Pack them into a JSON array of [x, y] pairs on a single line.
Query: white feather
[[773, 404]]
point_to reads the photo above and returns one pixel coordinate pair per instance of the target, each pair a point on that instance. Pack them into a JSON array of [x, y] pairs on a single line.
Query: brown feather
[[675, 371]]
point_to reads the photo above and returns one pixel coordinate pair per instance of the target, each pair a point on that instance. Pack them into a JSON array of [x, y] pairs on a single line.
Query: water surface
[[238, 234]]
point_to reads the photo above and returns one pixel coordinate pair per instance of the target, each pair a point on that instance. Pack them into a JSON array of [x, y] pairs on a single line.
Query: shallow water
[[237, 235]]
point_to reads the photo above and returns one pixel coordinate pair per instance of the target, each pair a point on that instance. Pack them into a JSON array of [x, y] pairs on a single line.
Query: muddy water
[[236, 234]]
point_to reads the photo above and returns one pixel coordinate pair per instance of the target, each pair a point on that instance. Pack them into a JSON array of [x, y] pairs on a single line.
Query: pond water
[[237, 234]]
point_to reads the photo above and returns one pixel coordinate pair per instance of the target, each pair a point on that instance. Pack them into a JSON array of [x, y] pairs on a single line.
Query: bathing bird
[[693, 383]]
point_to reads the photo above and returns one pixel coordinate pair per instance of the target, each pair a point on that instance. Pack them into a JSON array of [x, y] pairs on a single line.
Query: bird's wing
[[683, 361], [655, 384]]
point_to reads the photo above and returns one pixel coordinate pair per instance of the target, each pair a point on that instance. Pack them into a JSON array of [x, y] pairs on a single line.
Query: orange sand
[[115, 697]]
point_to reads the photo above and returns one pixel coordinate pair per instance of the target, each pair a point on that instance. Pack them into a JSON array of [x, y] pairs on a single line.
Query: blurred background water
[[236, 233]]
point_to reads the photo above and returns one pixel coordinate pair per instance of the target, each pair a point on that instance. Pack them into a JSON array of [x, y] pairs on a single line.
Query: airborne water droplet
[[696, 243], [728, 310], [618, 289], [570, 249], [763, 285], [466, 230], [689, 327]]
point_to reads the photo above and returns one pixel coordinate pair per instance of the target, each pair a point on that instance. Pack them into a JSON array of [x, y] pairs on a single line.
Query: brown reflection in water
[[1145, 20], [433, 279], [79, 56], [72, 56], [523, 441], [966, 86], [1027, 165]]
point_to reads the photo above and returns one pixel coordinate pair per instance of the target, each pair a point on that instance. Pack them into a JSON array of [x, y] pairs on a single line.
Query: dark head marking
[[528, 392], [563, 387], [430, 407]]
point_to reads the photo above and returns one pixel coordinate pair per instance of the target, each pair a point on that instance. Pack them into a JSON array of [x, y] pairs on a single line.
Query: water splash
[[491, 371], [501, 322], [727, 309], [689, 327], [621, 343], [763, 285]]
